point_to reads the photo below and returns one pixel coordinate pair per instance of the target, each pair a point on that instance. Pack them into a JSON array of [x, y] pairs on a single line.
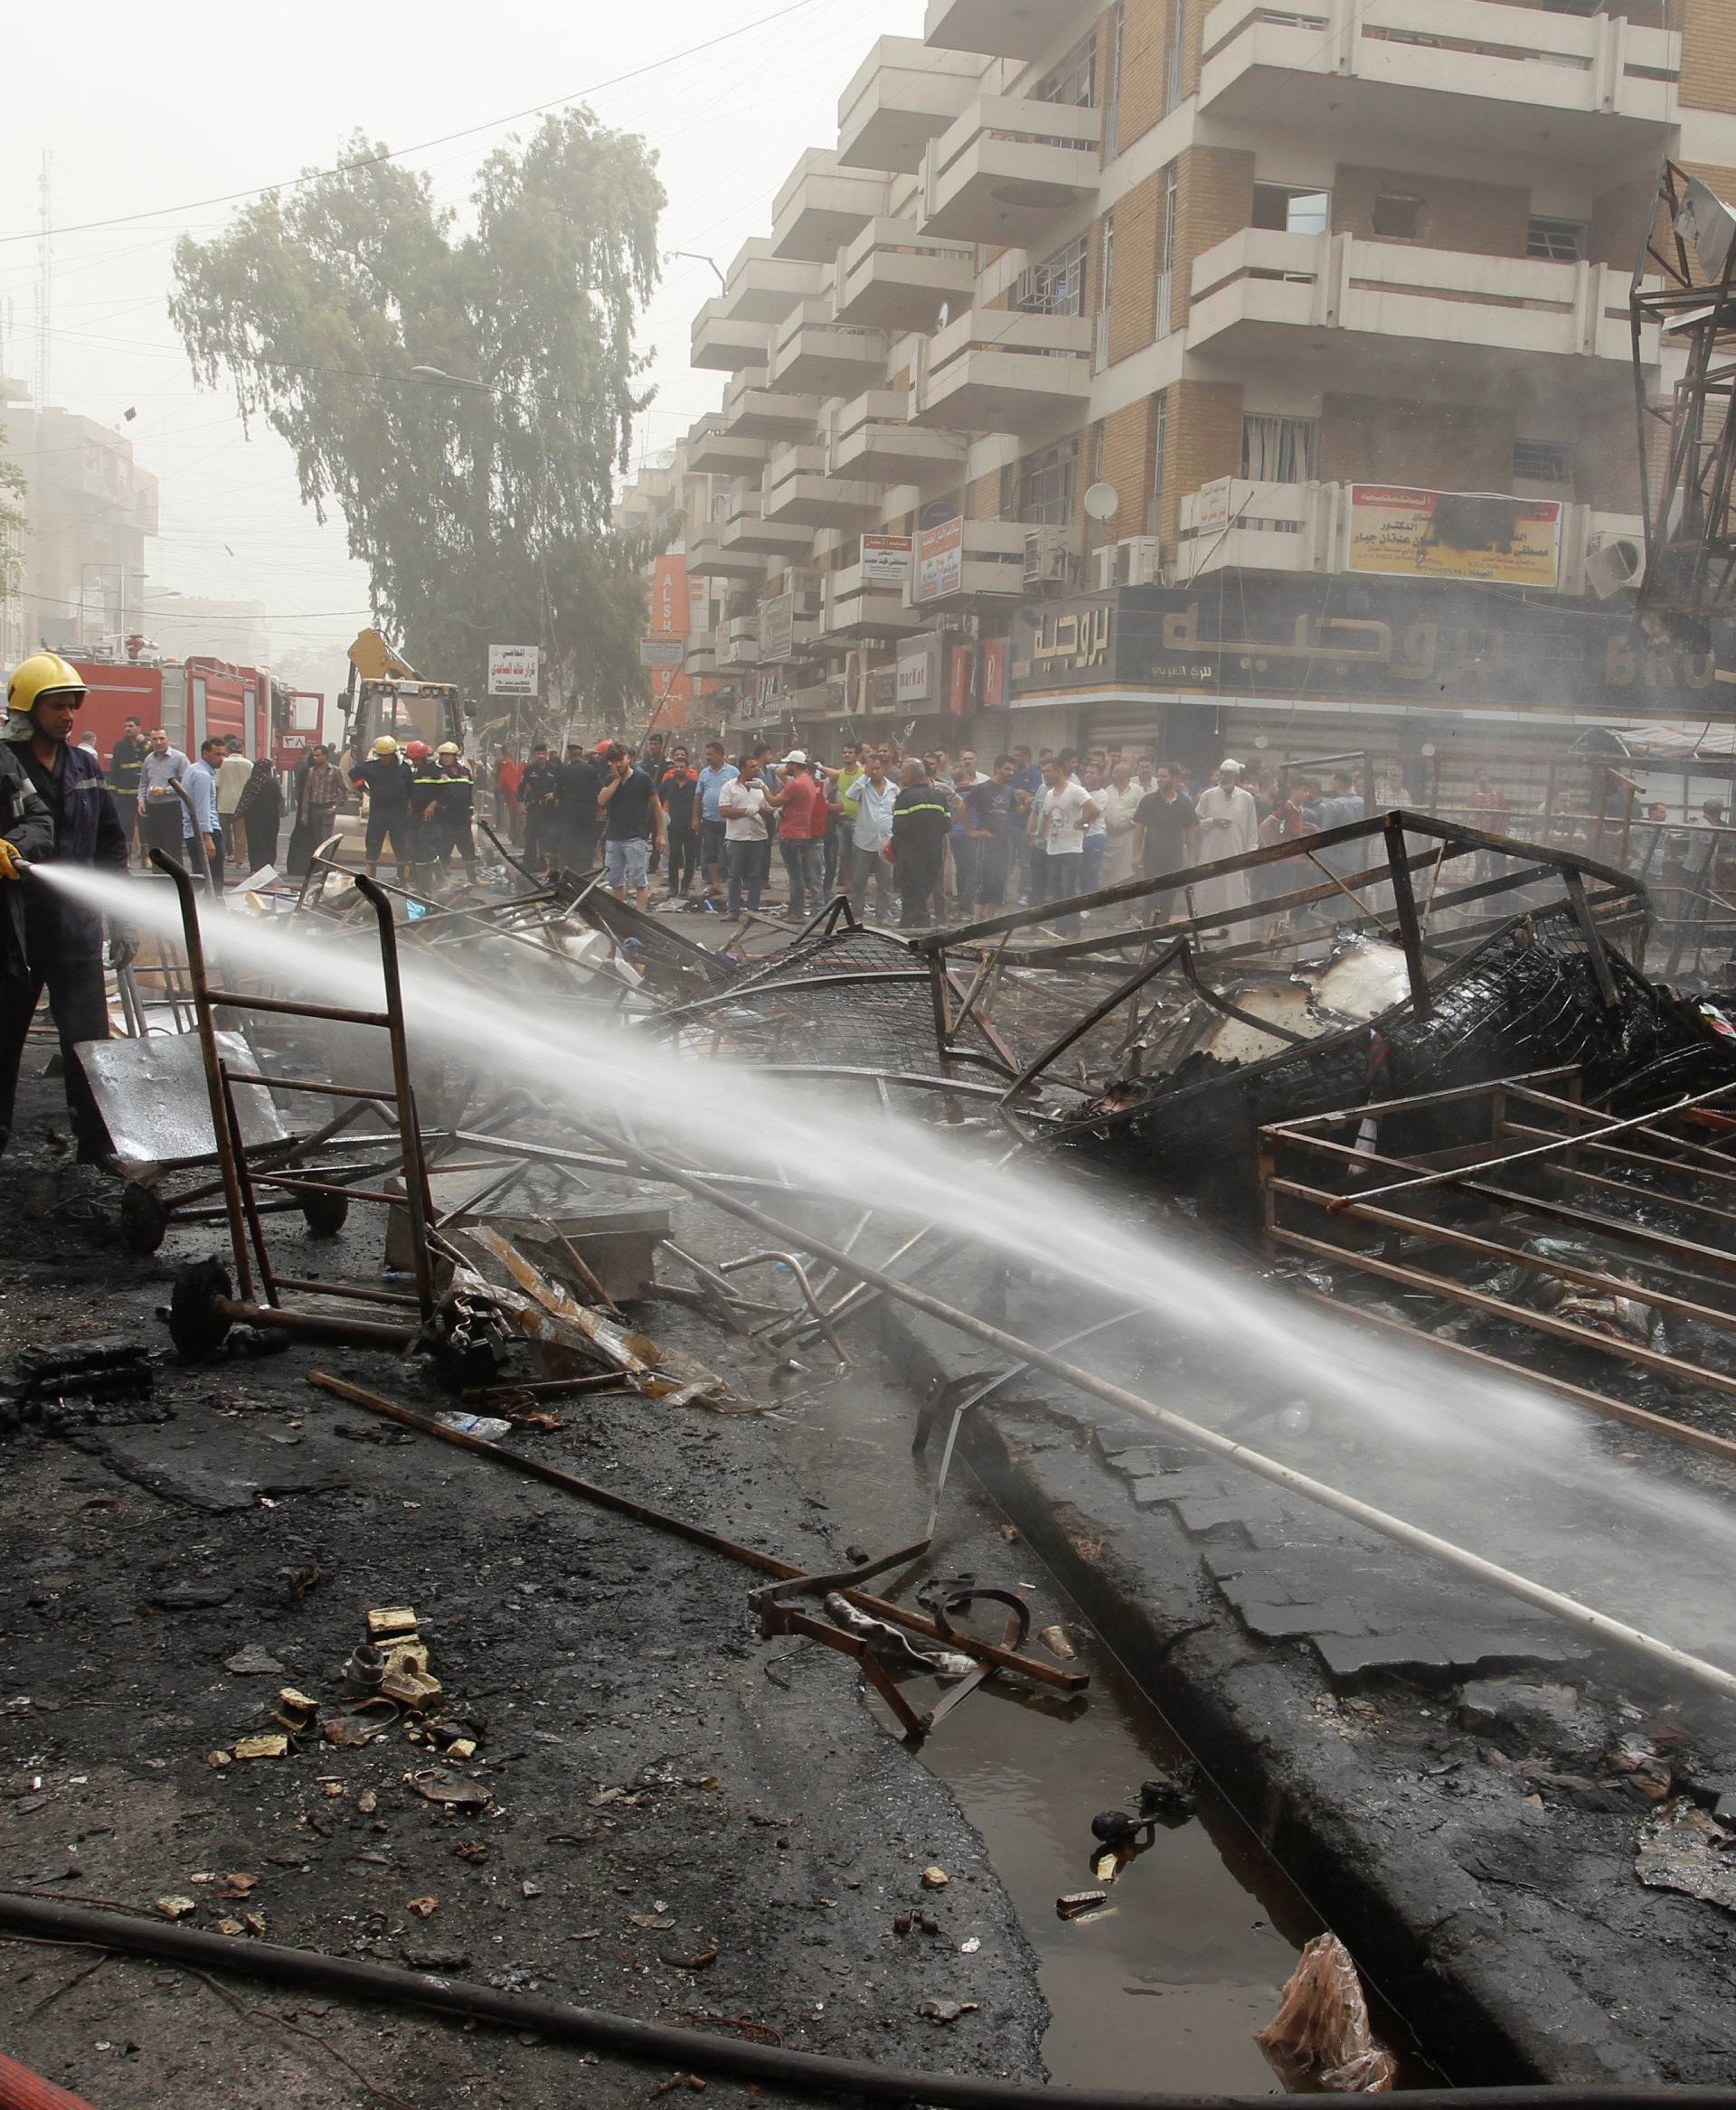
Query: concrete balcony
[[822, 206], [860, 602], [1006, 167], [764, 286], [1489, 78], [748, 532], [724, 345], [714, 450], [801, 488], [817, 355], [873, 437], [892, 278], [739, 647], [700, 660], [1236, 525], [1341, 304], [1000, 370], [752, 411], [708, 557], [903, 95], [1005, 29], [993, 563]]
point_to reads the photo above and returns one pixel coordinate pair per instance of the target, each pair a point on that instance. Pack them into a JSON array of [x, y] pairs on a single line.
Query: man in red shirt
[[801, 833]]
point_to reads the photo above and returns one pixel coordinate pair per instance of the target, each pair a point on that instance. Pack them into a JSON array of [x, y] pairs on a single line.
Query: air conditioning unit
[[1051, 557], [1106, 567], [1141, 560], [1613, 564]]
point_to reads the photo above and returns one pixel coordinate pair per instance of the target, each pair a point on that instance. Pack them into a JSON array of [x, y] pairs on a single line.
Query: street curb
[[1490, 2003]]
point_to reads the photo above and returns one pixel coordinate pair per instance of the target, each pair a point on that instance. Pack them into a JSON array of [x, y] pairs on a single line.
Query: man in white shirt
[[876, 800], [747, 837], [1067, 811], [234, 774], [1229, 824]]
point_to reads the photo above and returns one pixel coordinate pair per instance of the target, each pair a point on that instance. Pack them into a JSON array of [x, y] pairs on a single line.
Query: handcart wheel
[[143, 1217], [325, 1214], [196, 1325]]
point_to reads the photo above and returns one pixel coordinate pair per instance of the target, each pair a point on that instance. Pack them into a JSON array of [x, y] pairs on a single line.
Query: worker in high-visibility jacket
[[55, 809]]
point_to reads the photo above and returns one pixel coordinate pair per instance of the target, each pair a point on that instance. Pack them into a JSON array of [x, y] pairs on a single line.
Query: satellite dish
[[1102, 502]]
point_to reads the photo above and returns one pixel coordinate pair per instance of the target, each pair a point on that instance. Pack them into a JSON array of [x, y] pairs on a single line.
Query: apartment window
[[1048, 485], [1160, 455], [1398, 217], [1166, 260], [1074, 80], [1557, 241], [1105, 288], [1290, 210], [1542, 461], [1057, 284], [1112, 81], [1175, 55], [1279, 450]]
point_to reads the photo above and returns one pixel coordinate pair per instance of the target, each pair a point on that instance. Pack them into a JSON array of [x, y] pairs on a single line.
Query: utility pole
[[44, 278]]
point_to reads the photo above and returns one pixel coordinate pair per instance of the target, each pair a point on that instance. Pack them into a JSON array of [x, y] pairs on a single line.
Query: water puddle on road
[[1163, 1989]]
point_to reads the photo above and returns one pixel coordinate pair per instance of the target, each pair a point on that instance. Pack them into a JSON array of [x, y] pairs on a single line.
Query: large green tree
[[482, 514]]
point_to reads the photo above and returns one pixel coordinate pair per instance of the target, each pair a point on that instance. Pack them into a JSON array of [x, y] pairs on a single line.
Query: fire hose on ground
[[687, 2050]]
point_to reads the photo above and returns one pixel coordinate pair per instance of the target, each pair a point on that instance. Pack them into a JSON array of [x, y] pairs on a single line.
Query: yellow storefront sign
[[1455, 534]]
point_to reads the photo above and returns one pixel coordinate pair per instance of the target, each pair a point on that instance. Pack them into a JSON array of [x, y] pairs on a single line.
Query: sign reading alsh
[[1455, 534], [514, 669]]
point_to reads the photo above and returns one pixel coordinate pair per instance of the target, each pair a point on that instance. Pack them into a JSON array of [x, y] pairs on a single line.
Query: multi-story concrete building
[[1191, 376], [88, 511]]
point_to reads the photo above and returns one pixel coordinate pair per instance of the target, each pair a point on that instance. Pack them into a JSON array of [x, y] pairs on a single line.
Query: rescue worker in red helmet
[[54, 808]]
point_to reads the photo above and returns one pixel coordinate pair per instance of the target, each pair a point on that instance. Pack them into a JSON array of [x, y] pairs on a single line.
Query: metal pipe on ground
[[1615, 1632], [689, 2050], [20, 2089]]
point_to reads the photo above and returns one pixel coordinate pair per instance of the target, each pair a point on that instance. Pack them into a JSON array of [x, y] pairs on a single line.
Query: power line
[[421, 145]]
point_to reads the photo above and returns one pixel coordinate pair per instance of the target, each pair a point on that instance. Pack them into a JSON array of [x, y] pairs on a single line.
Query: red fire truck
[[199, 699]]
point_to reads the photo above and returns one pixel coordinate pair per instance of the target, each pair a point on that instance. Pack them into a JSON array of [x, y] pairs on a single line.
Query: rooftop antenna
[[44, 276]]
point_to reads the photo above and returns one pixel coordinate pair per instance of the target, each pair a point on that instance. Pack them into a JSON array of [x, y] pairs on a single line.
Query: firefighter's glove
[[12, 865]]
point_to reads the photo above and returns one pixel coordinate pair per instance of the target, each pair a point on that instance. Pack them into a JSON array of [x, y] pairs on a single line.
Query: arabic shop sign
[[514, 669], [1455, 534], [1412, 643], [1065, 645]]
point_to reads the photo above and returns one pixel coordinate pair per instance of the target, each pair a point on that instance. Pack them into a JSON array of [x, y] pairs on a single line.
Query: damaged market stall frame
[[1597, 899], [1461, 1202]]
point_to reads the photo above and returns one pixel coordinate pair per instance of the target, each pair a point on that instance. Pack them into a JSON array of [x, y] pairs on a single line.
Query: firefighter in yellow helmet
[[55, 809], [386, 777], [448, 795]]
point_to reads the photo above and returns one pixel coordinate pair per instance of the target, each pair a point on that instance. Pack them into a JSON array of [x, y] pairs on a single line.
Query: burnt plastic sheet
[[1527, 999]]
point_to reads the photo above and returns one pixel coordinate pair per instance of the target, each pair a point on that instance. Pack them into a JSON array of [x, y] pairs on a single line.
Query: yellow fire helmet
[[43, 674], [385, 747], [449, 748]]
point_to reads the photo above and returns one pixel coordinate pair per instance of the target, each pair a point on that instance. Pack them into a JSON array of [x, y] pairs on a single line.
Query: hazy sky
[[148, 109]]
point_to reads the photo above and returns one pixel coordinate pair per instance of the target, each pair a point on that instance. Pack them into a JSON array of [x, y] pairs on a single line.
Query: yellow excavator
[[387, 695]]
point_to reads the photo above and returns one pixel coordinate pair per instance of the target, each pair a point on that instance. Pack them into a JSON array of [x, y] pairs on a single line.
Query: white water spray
[[1510, 1472]]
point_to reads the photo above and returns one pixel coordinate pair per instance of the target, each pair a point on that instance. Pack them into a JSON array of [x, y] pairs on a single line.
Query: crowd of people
[[931, 836]]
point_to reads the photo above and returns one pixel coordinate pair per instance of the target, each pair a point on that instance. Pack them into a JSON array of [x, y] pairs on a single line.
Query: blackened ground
[[665, 1784]]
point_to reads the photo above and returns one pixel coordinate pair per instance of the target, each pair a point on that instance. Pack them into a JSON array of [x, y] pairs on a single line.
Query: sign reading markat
[[885, 560], [1455, 534], [514, 669], [1066, 644], [940, 560]]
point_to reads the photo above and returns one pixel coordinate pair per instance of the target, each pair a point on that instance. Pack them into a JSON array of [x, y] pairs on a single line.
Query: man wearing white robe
[[1229, 827]]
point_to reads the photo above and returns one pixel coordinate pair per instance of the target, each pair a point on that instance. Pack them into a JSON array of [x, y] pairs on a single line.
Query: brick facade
[[1127, 440], [1708, 54], [1203, 442], [1485, 220]]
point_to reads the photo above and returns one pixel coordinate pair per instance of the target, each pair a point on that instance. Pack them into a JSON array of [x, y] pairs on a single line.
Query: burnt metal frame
[[1401, 1224], [1692, 518], [1617, 900], [240, 1179]]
